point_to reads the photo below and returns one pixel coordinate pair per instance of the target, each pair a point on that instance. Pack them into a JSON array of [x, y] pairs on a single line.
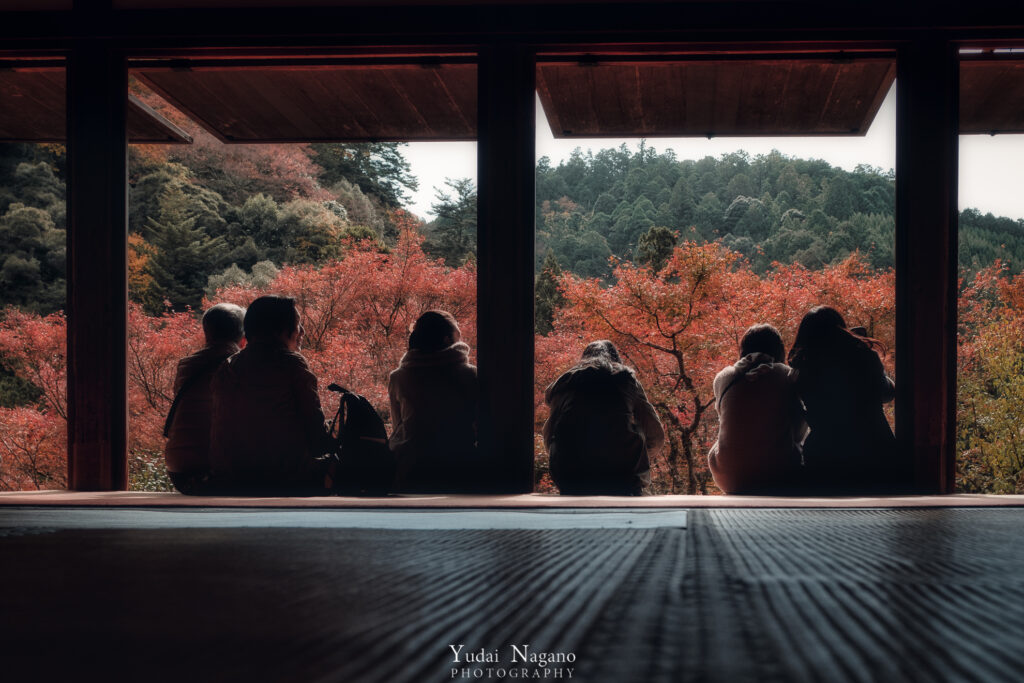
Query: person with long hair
[[602, 430], [843, 386], [433, 396]]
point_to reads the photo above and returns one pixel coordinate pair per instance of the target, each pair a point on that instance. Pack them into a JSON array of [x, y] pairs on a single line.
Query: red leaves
[[679, 327], [32, 446]]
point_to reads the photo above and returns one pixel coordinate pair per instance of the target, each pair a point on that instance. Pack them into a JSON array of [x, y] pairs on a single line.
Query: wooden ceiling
[[714, 97], [371, 101], [32, 109], [266, 102], [992, 95]]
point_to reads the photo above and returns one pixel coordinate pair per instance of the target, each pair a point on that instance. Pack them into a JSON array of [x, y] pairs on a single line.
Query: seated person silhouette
[[602, 430], [433, 395], [843, 385], [268, 428], [187, 451], [760, 419]]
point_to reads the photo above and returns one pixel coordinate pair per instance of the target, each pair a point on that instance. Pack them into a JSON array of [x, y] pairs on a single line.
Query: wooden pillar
[[506, 163], [97, 277], [926, 260]]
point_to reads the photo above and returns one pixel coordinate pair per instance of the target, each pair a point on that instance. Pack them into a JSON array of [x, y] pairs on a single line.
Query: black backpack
[[365, 464]]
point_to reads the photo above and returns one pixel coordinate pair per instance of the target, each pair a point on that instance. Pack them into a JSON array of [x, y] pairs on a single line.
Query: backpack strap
[[205, 370]]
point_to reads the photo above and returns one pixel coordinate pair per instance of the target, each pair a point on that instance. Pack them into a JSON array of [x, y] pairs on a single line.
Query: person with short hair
[[433, 395], [268, 429], [760, 419], [602, 430], [187, 451]]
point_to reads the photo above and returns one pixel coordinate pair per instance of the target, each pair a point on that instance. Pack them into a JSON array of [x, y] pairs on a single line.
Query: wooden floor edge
[[129, 499]]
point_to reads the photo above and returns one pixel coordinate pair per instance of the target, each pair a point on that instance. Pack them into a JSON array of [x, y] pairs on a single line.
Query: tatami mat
[[932, 594]]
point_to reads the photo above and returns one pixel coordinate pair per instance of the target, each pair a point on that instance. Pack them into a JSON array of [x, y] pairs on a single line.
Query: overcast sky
[[991, 167]]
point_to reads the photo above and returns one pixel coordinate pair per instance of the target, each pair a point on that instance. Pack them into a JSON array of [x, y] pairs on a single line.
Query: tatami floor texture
[[642, 594]]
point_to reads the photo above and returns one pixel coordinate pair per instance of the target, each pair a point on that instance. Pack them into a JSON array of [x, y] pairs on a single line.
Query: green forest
[[771, 208], [209, 220], [201, 218]]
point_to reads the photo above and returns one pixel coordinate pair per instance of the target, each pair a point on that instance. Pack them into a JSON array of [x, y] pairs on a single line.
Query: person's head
[[273, 319], [433, 331], [222, 324], [765, 339], [823, 330], [601, 349]]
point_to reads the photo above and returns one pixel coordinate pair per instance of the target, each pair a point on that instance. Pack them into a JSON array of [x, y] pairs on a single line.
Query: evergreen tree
[[184, 255], [547, 297], [32, 260], [655, 247], [377, 168], [452, 235]]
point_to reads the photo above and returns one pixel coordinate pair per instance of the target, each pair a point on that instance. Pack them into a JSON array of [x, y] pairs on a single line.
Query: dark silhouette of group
[[247, 418], [814, 426]]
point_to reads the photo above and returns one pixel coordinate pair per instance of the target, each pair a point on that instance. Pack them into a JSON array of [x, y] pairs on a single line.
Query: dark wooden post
[[926, 260], [97, 296], [506, 163]]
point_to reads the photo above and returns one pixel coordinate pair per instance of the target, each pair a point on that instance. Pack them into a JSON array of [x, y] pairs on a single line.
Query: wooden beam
[[926, 260], [97, 295], [505, 154]]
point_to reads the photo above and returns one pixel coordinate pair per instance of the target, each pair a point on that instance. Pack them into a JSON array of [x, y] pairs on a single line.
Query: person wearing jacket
[[268, 428], [187, 451], [760, 419], [433, 396], [843, 385], [602, 430]]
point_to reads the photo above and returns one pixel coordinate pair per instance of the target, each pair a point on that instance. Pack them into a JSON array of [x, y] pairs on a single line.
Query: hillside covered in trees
[[760, 238], [770, 208]]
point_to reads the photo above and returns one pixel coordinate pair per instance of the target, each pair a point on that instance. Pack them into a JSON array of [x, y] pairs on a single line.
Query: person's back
[[844, 396], [760, 420], [434, 395], [268, 427], [187, 451], [851, 447], [601, 430]]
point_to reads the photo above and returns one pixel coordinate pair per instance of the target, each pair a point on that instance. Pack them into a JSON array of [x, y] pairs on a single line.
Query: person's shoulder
[[866, 357], [293, 360], [723, 377], [725, 373], [195, 362], [785, 371], [560, 384], [194, 357]]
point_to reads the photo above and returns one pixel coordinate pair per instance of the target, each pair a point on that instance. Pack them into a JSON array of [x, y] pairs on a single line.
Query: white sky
[[991, 167]]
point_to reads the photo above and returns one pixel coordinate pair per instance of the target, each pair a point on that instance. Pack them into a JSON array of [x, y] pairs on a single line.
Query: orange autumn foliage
[[678, 327]]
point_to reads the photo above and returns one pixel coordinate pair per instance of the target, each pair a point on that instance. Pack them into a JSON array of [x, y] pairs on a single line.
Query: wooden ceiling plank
[[719, 97], [992, 97], [446, 92], [388, 106], [700, 80], [289, 98], [461, 82], [156, 80], [32, 106], [551, 112], [427, 106], [728, 93], [344, 120]]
